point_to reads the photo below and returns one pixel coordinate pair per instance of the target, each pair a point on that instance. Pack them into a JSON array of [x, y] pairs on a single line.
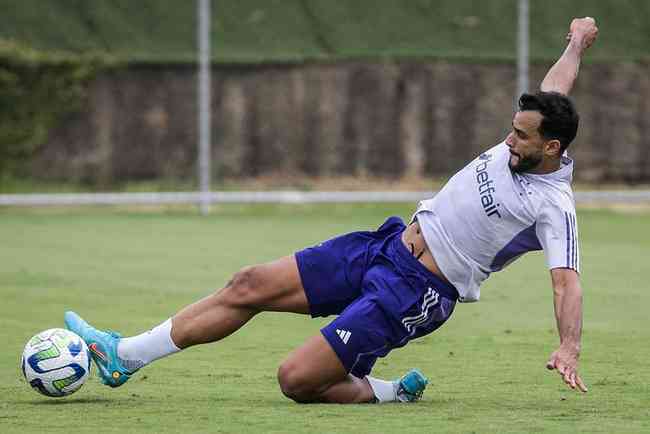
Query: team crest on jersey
[[485, 156]]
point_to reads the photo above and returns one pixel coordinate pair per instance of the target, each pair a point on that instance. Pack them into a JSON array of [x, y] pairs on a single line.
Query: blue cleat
[[103, 349], [411, 386]]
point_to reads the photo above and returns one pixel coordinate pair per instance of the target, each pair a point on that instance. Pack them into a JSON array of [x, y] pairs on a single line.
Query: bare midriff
[[414, 241]]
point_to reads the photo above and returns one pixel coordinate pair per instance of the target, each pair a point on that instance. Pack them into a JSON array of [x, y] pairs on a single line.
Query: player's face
[[525, 142]]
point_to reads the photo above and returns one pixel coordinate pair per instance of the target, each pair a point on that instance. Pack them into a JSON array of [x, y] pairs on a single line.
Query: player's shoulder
[[555, 199], [554, 189]]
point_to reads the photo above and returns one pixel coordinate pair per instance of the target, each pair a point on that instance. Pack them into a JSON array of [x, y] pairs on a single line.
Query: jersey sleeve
[[557, 231]]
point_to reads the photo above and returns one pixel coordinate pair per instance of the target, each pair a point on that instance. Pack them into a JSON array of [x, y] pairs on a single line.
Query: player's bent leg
[[275, 286], [314, 373]]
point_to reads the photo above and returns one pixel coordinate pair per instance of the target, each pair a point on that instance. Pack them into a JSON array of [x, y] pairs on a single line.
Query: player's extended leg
[[275, 286]]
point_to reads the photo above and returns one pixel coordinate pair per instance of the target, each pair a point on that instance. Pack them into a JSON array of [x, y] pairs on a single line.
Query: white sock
[[385, 391], [140, 350]]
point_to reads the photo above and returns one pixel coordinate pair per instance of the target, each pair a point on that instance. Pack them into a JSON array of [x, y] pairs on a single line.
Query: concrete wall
[[386, 119]]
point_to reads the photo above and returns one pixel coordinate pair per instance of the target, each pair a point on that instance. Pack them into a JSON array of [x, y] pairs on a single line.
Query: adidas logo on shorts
[[344, 335]]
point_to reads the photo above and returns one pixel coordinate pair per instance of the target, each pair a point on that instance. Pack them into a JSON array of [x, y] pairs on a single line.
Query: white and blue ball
[[56, 362]]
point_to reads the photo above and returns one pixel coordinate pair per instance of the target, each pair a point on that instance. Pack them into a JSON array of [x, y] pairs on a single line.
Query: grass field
[[128, 270]]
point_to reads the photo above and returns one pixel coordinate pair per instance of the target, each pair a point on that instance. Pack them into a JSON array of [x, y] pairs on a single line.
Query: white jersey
[[486, 216]]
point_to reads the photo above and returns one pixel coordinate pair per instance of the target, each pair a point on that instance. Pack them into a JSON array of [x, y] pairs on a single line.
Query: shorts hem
[[353, 367], [313, 310]]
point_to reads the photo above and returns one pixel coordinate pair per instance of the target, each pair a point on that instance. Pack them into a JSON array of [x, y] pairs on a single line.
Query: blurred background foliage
[[50, 50], [38, 88]]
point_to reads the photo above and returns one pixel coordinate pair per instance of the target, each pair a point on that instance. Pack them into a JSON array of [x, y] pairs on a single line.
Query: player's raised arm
[[563, 73]]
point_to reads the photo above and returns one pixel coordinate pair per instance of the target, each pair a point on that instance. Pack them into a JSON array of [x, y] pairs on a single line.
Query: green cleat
[[103, 349], [411, 386]]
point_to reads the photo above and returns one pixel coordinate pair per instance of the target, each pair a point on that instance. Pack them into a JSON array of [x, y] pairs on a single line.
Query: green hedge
[[36, 90], [297, 30], [45, 68]]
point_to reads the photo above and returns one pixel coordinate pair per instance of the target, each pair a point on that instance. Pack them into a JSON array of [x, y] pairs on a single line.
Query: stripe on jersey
[[575, 241], [525, 241], [571, 241]]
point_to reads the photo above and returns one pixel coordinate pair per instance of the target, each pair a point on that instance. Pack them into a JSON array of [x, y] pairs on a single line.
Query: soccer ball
[[56, 362]]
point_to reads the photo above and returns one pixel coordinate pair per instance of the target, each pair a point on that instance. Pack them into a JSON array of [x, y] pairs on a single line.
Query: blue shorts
[[383, 295]]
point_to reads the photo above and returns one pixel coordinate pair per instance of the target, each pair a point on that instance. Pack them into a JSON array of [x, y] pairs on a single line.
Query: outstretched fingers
[[581, 385], [569, 377], [568, 373]]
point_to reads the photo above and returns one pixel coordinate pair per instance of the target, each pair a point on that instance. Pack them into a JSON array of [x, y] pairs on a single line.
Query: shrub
[[36, 90]]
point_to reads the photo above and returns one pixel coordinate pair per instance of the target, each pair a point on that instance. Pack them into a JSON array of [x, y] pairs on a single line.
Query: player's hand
[[565, 362], [583, 31]]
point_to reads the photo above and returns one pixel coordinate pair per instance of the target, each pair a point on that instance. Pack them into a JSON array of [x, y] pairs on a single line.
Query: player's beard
[[524, 164]]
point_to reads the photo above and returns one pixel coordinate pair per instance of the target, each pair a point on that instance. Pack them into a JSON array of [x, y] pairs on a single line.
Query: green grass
[[297, 30], [129, 270]]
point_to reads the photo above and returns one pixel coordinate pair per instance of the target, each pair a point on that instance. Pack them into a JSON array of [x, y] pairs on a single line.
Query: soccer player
[[400, 282]]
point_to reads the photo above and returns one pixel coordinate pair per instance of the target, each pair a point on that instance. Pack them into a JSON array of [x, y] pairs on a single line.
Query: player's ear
[[553, 148]]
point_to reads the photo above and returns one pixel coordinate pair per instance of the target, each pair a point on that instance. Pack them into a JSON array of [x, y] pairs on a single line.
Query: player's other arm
[[563, 73], [567, 298]]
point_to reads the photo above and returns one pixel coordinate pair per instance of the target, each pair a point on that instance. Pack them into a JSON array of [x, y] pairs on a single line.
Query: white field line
[[216, 197]]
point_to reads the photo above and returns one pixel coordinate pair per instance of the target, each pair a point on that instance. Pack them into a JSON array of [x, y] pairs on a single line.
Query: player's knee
[[294, 384], [243, 288]]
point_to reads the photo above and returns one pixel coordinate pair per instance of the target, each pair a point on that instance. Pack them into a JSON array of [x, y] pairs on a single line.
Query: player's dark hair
[[559, 116]]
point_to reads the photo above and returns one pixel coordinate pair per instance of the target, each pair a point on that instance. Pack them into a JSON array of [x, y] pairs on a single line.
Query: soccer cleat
[[103, 349], [411, 386]]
